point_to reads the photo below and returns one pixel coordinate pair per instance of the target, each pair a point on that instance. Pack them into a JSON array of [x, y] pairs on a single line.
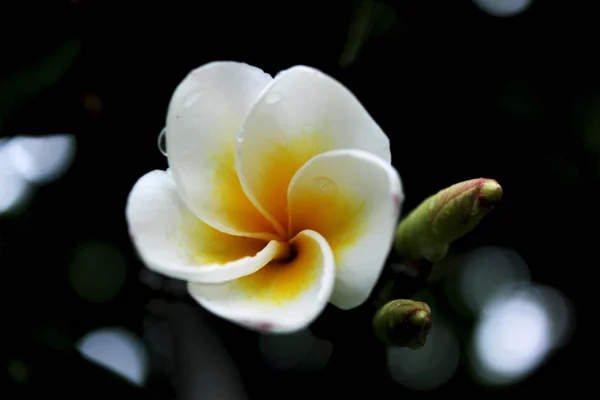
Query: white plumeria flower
[[280, 196]]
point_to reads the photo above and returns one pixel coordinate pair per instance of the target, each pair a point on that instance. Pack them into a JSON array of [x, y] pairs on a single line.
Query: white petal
[[302, 113], [171, 240], [353, 199], [205, 113], [280, 297]]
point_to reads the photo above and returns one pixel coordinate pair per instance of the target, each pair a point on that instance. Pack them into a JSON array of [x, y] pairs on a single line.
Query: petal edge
[[353, 198], [279, 298], [205, 113], [300, 114], [172, 241]]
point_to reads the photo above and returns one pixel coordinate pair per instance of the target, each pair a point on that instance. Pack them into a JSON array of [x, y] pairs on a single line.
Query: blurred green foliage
[[18, 89]]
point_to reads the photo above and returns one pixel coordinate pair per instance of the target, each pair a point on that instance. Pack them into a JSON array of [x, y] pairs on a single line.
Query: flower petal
[[205, 113], [280, 297], [171, 240], [302, 113], [353, 199]]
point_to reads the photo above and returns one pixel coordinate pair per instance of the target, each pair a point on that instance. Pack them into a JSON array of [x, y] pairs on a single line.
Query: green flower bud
[[403, 323], [444, 217]]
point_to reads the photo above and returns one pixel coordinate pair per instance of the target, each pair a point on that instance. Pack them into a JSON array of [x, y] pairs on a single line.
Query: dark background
[[460, 93]]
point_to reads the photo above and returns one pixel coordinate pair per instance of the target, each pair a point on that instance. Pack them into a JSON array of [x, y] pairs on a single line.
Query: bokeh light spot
[[487, 270], [518, 329], [503, 8], [18, 371], [117, 350], [41, 159], [15, 190], [429, 367], [97, 271]]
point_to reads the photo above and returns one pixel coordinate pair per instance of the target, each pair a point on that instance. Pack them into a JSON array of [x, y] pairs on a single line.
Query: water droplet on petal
[[162, 141], [325, 184], [308, 128], [273, 98], [191, 100]]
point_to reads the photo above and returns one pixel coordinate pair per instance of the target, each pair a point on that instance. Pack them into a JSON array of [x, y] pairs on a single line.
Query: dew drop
[[162, 141], [308, 128], [273, 98], [325, 184], [191, 100]]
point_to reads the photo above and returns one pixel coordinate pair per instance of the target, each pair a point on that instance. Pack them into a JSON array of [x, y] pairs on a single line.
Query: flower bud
[[403, 323], [444, 217]]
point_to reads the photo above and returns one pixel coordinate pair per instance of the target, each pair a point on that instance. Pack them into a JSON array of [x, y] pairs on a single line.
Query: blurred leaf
[[370, 18], [588, 120], [18, 89]]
